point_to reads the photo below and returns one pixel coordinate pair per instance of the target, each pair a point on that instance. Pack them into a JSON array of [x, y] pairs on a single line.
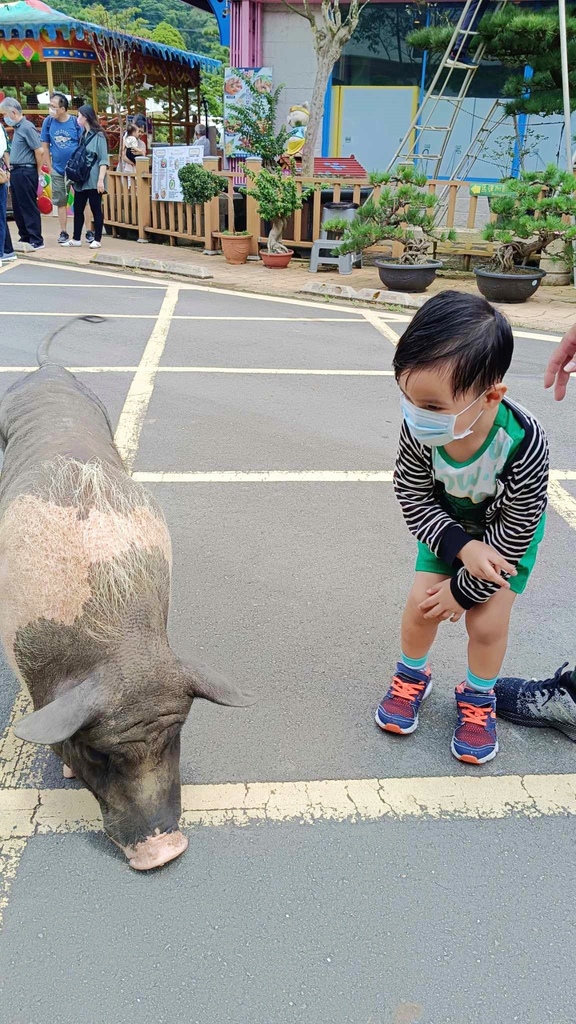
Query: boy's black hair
[[464, 332]]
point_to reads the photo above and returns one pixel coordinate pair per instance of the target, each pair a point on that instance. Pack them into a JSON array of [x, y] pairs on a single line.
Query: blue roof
[[26, 19]]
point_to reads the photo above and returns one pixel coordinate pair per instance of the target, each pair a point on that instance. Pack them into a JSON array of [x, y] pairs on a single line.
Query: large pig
[[85, 563]]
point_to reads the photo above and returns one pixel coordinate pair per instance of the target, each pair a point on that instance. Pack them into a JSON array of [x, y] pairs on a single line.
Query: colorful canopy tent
[[41, 48]]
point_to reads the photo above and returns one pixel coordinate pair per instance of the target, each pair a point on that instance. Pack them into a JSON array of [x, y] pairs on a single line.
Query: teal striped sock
[[478, 684], [417, 663]]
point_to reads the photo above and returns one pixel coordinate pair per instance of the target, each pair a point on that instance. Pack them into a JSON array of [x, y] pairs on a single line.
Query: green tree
[[256, 126], [518, 37], [167, 35]]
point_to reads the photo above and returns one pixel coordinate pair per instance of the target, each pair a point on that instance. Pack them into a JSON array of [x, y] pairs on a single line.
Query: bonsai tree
[[536, 210], [278, 198], [401, 207]]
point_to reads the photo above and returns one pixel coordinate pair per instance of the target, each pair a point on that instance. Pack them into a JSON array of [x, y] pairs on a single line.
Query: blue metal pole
[[522, 128], [326, 119]]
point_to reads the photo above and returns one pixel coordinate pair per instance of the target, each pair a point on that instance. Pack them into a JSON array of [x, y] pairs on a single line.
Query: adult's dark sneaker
[[459, 62], [540, 703], [63, 237]]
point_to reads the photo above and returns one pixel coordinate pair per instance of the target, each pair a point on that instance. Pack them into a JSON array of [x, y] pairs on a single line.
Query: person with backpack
[[86, 169], [61, 136]]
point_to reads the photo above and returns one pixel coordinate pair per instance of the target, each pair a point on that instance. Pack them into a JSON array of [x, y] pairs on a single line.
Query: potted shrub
[[278, 198], [535, 211], [235, 246], [403, 212]]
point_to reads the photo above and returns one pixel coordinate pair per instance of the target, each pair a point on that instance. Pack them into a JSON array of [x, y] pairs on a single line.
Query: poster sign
[[238, 95], [165, 163], [489, 188]]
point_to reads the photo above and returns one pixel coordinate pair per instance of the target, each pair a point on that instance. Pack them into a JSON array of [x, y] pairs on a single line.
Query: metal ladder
[[422, 121]]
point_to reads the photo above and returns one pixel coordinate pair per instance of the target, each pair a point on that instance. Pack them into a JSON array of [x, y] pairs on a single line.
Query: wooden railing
[[130, 205]]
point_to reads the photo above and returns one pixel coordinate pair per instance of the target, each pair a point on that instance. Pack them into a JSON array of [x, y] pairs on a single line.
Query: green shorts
[[427, 561], [59, 189]]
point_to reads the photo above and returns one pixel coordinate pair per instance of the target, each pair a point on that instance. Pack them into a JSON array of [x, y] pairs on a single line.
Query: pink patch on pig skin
[[155, 851], [47, 554], [67, 772]]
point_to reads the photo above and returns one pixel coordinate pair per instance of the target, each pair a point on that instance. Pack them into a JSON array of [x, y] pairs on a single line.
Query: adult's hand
[[561, 365]]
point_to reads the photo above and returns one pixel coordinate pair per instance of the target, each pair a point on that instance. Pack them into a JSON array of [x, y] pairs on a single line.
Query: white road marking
[[380, 326], [45, 284], [185, 286], [11, 851], [536, 335], [211, 369], [137, 400], [271, 476], [29, 812]]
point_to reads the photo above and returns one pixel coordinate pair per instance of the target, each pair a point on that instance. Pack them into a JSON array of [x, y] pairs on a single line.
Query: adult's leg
[[15, 185], [80, 200], [3, 221], [476, 11], [28, 198], [97, 214]]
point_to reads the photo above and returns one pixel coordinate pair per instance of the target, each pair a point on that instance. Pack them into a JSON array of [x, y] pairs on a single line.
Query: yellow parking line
[[29, 812], [381, 326], [131, 420]]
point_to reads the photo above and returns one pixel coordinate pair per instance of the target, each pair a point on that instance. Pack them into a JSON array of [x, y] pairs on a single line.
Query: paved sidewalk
[[551, 309]]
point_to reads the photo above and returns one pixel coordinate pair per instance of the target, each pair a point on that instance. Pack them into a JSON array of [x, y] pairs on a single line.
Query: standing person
[[546, 703], [459, 55], [26, 158], [132, 147], [92, 190], [201, 139], [61, 135], [7, 254], [471, 478]]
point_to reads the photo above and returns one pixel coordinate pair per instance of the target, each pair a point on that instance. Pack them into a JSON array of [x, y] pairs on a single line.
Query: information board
[[166, 161]]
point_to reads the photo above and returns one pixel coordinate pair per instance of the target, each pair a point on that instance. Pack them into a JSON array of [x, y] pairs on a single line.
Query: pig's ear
[[60, 719], [202, 681]]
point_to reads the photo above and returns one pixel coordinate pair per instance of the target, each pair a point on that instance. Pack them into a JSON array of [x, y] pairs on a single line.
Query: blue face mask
[[435, 429], [9, 121]]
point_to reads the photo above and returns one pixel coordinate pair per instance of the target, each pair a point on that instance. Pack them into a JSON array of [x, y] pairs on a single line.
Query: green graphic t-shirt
[[465, 489]]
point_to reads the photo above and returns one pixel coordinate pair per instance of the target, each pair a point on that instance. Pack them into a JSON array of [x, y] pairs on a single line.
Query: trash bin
[[345, 211]]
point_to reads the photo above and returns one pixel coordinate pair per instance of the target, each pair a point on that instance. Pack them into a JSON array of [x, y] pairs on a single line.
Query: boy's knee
[[485, 631]]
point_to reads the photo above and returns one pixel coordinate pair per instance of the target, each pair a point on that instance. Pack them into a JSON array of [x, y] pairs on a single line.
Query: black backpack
[[81, 162]]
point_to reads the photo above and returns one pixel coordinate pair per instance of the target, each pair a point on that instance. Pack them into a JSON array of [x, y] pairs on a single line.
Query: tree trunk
[[275, 236], [325, 63]]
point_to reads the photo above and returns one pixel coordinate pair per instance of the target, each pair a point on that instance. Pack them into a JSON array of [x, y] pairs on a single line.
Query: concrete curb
[[370, 296], [154, 266]]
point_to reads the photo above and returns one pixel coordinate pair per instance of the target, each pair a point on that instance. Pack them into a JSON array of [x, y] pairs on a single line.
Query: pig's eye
[[96, 756]]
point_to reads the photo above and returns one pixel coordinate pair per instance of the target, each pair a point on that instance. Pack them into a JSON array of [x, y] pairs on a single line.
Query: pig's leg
[[67, 772]]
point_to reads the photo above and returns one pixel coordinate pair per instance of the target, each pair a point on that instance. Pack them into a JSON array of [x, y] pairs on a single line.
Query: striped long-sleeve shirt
[[508, 481]]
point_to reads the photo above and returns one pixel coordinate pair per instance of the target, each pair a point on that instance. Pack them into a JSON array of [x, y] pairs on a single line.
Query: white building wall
[[288, 49]]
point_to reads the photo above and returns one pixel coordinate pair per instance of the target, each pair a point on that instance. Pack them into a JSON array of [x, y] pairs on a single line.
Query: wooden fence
[[131, 205]]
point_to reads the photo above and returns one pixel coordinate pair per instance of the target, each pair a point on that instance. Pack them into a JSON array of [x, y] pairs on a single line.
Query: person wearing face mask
[[471, 477], [25, 169]]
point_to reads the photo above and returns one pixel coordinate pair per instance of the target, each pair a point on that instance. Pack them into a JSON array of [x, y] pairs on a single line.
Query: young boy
[[471, 478]]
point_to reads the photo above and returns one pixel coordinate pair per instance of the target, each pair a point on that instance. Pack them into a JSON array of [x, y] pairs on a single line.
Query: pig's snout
[[155, 851]]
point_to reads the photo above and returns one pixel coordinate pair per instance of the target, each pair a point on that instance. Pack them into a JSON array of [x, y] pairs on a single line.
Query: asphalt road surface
[[310, 892]]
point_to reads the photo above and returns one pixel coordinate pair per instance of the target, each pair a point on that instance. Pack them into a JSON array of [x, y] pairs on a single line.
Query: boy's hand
[[441, 604], [485, 563]]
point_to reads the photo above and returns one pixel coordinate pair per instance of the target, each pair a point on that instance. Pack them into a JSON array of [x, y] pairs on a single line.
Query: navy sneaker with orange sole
[[474, 740], [398, 710]]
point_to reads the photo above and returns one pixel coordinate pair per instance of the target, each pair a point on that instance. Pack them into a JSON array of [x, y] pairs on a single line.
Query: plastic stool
[[321, 255]]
